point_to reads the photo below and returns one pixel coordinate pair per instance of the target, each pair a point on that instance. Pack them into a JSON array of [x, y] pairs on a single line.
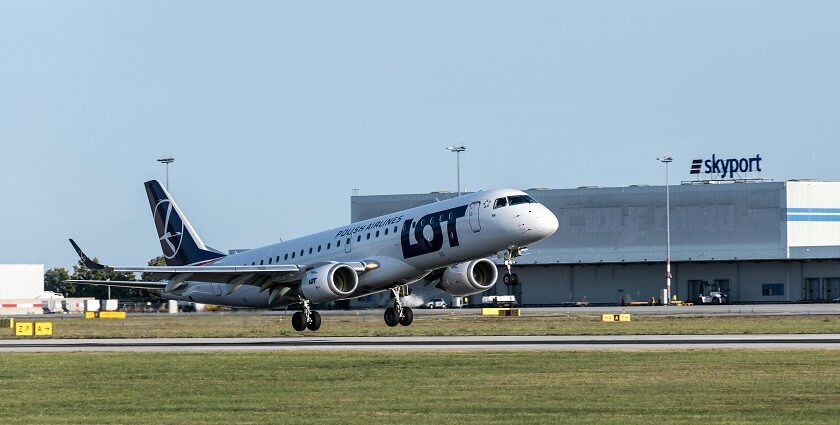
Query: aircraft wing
[[265, 276], [120, 283]]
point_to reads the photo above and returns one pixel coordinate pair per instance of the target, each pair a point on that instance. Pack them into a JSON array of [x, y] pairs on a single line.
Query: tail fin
[[180, 243]]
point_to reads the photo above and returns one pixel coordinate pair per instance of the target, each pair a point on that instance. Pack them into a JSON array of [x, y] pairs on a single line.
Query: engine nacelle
[[329, 282], [470, 277]]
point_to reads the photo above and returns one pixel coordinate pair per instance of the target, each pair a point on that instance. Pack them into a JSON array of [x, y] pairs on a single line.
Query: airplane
[[446, 243]]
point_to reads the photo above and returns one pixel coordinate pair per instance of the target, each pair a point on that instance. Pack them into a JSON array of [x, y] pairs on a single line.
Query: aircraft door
[[347, 246], [475, 224]]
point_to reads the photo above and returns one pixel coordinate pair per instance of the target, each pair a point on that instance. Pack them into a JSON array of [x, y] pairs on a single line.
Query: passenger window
[[359, 238], [285, 257], [328, 245], [319, 248], [368, 236], [293, 255], [301, 253], [501, 202], [377, 233], [253, 263], [261, 262], [269, 260], [386, 230], [348, 241], [338, 243], [310, 250], [278, 259], [395, 229]]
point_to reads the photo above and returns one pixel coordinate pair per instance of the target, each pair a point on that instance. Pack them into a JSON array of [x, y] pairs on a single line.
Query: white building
[[21, 286]]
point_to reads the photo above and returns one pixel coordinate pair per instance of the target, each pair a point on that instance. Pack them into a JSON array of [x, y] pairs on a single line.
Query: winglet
[[93, 265]]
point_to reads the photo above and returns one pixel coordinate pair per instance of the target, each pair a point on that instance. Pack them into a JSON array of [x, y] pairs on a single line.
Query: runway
[[454, 343]]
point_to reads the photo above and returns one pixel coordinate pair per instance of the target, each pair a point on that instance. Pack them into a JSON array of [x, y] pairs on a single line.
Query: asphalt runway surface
[[453, 343]]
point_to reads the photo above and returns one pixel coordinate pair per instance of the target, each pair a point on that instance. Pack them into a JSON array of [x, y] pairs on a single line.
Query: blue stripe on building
[[793, 217]]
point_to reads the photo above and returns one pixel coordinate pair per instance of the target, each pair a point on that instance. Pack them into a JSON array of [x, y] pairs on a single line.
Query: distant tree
[[54, 280], [157, 261]]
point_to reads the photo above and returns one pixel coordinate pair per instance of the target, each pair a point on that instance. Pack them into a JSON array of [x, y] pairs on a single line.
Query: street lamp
[[166, 161], [667, 159], [458, 150]]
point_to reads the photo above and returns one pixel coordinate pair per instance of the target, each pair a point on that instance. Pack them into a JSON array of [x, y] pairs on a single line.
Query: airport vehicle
[[710, 294], [446, 243], [436, 303], [499, 300]]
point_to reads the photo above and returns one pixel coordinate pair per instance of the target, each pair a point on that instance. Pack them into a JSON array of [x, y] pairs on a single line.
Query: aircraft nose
[[550, 223]]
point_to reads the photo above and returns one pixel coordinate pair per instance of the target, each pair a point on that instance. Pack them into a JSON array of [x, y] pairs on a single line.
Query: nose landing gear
[[306, 319], [511, 278], [398, 315]]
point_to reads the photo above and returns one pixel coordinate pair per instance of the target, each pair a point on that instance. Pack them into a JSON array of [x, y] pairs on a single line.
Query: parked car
[[436, 303]]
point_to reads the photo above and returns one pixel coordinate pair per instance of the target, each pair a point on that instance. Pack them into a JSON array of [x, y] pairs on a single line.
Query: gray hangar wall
[[760, 242]]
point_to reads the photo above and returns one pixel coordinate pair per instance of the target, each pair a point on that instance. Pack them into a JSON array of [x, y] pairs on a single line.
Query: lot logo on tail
[[170, 228]]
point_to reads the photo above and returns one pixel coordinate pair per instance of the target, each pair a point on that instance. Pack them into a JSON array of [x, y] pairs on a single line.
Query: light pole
[[458, 150], [166, 161], [667, 159]]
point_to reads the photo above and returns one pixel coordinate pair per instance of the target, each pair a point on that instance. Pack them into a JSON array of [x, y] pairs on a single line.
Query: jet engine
[[469, 277], [329, 282]]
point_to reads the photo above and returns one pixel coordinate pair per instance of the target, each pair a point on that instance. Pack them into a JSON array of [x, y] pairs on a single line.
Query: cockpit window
[[520, 199], [501, 202]]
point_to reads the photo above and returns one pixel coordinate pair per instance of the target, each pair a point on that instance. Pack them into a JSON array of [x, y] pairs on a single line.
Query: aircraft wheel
[[506, 279], [408, 316], [514, 279], [391, 318], [298, 321], [715, 300], [315, 321]]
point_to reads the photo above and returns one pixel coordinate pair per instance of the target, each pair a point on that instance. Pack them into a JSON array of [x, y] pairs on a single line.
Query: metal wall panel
[[627, 224]]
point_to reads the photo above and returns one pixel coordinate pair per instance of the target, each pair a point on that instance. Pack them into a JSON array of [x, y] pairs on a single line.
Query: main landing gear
[[306, 319], [398, 315], [511, 278]]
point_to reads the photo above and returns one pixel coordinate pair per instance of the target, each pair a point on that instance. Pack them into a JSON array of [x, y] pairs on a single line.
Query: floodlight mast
[[458, 150], [667, 159], [166, 161]]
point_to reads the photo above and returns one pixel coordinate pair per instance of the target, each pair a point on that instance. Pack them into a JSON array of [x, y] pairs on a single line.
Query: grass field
[[268, 325], [683, 387]]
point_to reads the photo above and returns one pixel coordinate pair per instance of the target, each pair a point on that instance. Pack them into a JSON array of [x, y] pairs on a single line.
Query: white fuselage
[[406, 245]]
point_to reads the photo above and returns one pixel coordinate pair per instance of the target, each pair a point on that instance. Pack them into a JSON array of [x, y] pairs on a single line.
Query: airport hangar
[[759, 241]]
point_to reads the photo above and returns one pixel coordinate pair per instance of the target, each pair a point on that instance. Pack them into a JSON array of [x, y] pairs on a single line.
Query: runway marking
[[658, 342]]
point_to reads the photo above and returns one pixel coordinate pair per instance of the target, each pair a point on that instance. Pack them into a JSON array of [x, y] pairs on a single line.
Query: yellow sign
[[90, 315], [43, 328], [23, 328], [623, 317], [494, 311], [112, 315]]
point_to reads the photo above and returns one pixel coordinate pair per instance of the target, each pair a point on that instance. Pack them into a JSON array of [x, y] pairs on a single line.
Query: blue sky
[[276, 111]]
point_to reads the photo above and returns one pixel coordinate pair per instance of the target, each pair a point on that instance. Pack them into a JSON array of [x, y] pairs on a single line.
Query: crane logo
[[170, 228]]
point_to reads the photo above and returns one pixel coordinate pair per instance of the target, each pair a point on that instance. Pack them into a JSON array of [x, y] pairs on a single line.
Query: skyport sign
[[720, 168]]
